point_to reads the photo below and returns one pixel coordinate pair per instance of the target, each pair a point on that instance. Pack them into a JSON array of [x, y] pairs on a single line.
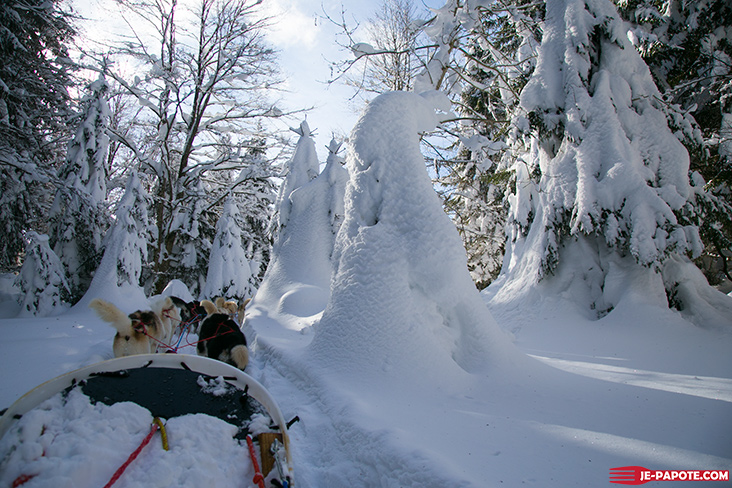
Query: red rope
[[132, 457], [22, 479], [188, 343], [258, 478]]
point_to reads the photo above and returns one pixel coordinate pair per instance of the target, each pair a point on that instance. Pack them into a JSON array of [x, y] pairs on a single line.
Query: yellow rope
[[163, 432]]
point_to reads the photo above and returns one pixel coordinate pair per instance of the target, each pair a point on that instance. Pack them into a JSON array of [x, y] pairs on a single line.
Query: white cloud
[[291, 26]]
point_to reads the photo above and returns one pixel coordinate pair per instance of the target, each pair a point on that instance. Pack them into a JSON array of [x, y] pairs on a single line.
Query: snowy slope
[[639, 387]]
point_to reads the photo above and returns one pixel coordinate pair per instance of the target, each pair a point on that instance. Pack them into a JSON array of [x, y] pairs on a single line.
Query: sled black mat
[[168, 393]]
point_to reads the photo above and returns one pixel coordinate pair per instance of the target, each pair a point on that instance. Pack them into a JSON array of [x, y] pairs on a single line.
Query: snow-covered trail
[[639, 387], [598, 395]]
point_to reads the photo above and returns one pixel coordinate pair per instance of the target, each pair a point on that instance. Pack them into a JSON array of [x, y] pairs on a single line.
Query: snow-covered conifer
[[42, 280], [300, 267], [336, 176], [601, 179], [687, 47], [126, 242], [78, 217], [300, 169], [35, 74], [192, 236], [255, 194], [401, 294], [229, 272]]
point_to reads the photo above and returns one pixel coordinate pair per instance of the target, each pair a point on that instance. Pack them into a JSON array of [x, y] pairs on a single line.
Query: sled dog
[[139, 332], [191, 313], [220, 338], [230, 307]]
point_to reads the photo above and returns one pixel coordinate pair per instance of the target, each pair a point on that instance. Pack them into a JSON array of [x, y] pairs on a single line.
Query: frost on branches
[[600, 178], [42, 280]]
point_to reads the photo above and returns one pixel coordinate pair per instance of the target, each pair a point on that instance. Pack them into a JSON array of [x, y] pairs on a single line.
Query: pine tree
[[126, 243], [192, 233], [399, 261], [229, 273], [600, 176], [42, 280], [35, 74], [690, 57], [78, 217], [255, 194], [336, 176], [300, 169], [299, 272], [501, 45]]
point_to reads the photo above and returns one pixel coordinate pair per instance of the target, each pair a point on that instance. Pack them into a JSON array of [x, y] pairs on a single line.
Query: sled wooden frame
[[197, 364]]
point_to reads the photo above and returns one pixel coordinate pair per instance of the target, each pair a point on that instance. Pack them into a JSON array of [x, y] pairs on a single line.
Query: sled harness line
[[157, 424], [22, 479], [184, 328], [172, 349]]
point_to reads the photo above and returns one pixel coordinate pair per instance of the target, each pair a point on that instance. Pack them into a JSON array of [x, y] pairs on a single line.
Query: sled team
[[146, 331]]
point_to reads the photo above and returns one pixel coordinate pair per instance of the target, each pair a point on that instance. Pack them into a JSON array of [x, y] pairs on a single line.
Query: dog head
[[189, 311], [144, 321]]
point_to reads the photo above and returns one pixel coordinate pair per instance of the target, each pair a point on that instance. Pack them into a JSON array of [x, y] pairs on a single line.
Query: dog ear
[[219, 302], [209, 307]]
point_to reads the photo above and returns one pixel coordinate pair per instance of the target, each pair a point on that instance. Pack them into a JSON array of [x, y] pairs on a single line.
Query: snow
[[403, 375], [50, 445]]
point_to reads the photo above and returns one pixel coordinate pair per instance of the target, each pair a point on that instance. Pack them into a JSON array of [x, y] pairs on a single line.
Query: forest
[[590, 129]]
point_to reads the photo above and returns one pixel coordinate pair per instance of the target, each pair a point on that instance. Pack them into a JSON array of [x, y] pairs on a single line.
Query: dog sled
[[169, 386]]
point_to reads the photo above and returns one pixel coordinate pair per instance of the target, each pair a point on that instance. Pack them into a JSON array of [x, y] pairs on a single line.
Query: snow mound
[[401, 295]]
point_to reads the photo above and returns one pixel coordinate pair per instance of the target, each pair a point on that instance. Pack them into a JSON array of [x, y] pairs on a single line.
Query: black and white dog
[[191, 313], [221, 338]]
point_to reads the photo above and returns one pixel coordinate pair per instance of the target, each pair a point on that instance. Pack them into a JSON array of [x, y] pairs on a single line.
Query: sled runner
[[174, 385]]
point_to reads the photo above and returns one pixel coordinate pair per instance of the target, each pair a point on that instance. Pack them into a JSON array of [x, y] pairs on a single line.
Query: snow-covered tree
[[78, 216], [299, 170], [602, 184], [35, 74], [687, 47], [203, 89], [301, 264], [499, 45], [229, 272], [336, 176], [42, 280], [255, 193], [401, 292], [126, 243], [192, 235]]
